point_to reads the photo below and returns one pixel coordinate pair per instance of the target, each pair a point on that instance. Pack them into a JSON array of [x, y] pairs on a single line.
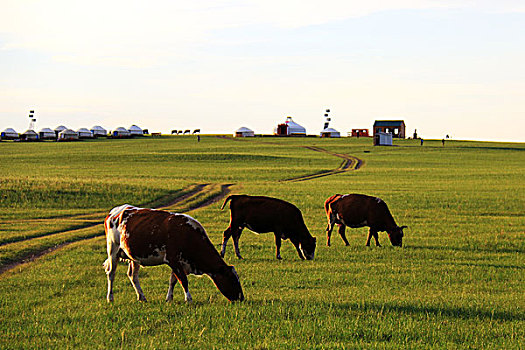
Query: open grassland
[[458, 281]]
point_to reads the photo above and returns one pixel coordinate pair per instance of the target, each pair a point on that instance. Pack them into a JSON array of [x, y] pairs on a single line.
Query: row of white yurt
[[9, 134], [243, 132], [330, 132], [84, 133], [97, 130], [67, 135], [29, 135], [61, 132], [120, 132], [135, 131], [46, 134]]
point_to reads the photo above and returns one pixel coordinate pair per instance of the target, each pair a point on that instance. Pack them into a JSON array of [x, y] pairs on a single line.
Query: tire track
[[349, 163]]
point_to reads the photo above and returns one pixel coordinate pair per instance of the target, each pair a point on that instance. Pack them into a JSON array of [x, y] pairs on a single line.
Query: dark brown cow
[[265, 214], [150, 237], [359, 210]]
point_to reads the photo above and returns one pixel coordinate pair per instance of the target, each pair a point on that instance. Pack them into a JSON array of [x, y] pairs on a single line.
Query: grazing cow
[[264, 214], [358, 210], [150, 237]]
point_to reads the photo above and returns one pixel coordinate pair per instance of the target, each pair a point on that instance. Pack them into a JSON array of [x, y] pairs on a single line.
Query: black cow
[[359, 210], [265, 214]]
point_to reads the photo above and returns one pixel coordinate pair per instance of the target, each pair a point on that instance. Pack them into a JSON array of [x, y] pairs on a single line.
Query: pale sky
[[445, 67]]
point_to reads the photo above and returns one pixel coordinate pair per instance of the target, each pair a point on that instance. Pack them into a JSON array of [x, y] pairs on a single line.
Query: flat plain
[[457, 282]]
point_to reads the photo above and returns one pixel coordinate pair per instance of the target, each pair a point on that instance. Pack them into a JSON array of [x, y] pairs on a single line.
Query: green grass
[[456, 283]]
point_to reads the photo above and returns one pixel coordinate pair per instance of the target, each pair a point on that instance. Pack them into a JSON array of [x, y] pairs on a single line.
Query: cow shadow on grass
[[466, 249], [447, 311], [458, 312]]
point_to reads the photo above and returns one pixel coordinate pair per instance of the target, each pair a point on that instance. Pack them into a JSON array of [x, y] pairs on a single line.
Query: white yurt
[[243, 132], [47, 134], [29, 135], [330, 132], [58, 129], [84, 133], [135, 131], [67, 135], [294, 128], [97, 130], [120, 132], [9, 134]]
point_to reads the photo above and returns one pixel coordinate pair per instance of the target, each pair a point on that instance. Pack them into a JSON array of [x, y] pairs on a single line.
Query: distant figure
[[421, 141], [443, 142], [198, 138]]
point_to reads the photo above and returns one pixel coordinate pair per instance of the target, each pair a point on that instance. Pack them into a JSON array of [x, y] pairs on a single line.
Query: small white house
[[84, 133], [330, 132], [67, 135], [47, 134], [383, 139], [9, 134], [243, 132], [97, 131], [120, 132], [135, 131]]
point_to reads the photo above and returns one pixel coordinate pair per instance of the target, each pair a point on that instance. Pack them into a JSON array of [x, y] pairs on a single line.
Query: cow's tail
[[226, 201]]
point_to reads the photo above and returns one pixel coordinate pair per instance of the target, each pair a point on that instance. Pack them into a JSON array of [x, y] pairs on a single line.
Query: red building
[[394, 127], [360, 133]]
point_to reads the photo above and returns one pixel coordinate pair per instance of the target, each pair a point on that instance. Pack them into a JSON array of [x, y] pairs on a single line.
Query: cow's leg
[[298, 248], [110, 265], [370, 234], [133, 274], [173, 282], [236, 235], [329, 228], [183, 279], [277, 246], [376, 237], [342, 234], [225, 237]]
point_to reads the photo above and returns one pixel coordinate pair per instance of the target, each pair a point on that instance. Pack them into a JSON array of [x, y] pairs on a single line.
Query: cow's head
[[308, 247], [228, 283], [396, 236]]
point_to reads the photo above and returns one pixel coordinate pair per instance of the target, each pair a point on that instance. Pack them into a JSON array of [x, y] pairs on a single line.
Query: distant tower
[[326, 119], [32, 120]]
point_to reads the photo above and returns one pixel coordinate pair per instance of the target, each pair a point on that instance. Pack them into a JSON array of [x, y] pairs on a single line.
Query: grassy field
[[458, 281]]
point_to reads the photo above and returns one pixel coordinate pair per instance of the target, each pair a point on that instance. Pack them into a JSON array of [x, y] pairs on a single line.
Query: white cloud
[[142, 34]]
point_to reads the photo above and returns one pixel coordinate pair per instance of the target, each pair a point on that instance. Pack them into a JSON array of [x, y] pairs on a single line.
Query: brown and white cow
[[148, 237], [359, 210], [265, 214]]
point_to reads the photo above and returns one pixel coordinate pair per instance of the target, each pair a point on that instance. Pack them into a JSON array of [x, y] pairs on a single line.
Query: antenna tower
[[32, 120], [326, 119]]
